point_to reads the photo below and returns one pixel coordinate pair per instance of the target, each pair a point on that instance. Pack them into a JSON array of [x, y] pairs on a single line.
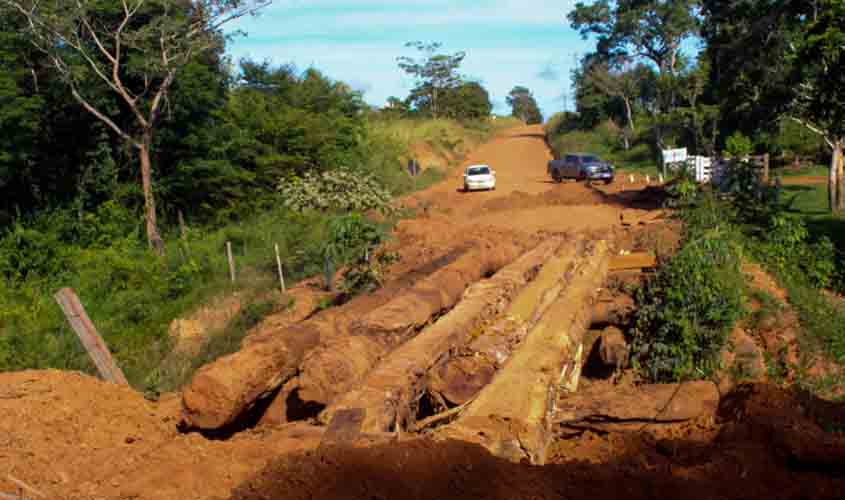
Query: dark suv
[[581, 167]]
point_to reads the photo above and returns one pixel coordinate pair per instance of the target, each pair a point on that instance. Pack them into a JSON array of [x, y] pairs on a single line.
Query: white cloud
[[508, 42]]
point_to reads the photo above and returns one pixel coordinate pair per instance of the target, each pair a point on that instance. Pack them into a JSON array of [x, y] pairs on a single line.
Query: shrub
[[335, 191], [687, 311], [738, 145]]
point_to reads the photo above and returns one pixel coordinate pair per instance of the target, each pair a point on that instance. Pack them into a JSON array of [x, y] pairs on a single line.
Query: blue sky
[[508, 42]]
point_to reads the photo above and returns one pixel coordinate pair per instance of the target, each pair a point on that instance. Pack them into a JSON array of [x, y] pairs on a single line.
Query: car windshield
[[590, 159], [478, 170]]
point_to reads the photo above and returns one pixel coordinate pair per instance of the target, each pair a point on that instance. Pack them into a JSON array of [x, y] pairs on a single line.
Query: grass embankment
[[133, 296]]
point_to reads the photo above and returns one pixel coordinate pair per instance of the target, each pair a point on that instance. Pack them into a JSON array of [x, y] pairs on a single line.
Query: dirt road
[[65, 435]]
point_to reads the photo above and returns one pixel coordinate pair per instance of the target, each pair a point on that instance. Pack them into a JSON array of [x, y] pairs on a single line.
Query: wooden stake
[[183, 228], [231, 260], [279, 265], [87, 333]]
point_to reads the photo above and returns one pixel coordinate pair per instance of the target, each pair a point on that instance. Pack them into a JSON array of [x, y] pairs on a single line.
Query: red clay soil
[[758, 446], [804, 180]]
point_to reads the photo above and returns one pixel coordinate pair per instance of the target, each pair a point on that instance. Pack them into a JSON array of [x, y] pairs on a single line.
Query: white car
[[479, 177]]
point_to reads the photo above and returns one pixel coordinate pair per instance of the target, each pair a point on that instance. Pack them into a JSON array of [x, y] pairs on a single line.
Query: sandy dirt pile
[[756, 446]]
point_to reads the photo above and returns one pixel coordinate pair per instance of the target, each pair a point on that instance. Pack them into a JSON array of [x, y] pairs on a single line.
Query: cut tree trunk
[[512, 416], [153, 236], [390, 390]]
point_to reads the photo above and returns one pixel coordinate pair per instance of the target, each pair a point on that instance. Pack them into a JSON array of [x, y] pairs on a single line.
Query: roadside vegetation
[[687, 312], [250, 154]]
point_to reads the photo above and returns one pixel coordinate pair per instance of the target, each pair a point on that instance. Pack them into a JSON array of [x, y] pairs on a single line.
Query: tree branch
[[105, 119], [824, 134]]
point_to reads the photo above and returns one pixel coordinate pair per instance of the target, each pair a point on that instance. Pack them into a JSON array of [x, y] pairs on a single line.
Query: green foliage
[[435, 75], [523, 105], [132, 295], [335, 190], [737, 145], [686, 312], [367, 274], [351, 236], [603, 140]]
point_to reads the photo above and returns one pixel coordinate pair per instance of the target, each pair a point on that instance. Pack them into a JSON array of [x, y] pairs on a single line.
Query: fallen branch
[[446, 415]]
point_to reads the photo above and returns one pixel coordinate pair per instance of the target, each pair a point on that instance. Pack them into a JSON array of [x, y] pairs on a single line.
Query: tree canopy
[[524, 106]]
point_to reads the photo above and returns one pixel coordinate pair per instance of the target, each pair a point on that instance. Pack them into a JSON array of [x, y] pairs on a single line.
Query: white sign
[[674, 155]]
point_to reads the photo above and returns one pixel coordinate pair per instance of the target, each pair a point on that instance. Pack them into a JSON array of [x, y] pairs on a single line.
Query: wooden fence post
[[279, 265], [87, 333], [231, 260]]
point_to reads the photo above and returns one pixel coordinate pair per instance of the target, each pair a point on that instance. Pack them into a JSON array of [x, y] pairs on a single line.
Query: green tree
[[819, 76], [650, 29], [622, 82], [779, 60], [467, 101], [134, 48], [434, 73], [523, 105], [637, 31]]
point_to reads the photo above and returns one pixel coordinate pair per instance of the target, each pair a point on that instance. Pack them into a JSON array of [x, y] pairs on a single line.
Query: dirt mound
[[562, 195], [71, 436], [762, 447]]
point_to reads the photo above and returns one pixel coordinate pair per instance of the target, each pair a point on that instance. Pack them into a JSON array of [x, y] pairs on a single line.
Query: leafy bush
[[738, 145], [335, 191], [754, 201], [687, 311]]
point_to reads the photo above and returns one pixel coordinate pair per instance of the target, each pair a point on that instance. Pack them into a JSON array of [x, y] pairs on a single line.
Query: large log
[[389, 391], [338, 364], [223, 391], [512, 416], [627, 409]]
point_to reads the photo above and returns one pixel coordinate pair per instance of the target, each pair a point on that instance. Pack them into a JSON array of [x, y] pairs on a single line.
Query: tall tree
[[783, 60], [819, 74], [642, 30], [622, 82], [650, 29], [467, 101], [134, 48], [523, 105], [434, 73]]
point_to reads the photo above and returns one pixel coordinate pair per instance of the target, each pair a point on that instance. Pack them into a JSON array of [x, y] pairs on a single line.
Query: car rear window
[[478, 171], [590, 159], [571, 158]]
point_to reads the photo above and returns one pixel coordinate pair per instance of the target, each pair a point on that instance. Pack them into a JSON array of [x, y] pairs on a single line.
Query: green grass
[[443, 136], [810, 202], [821, 170], [132, 296], [603, 142]]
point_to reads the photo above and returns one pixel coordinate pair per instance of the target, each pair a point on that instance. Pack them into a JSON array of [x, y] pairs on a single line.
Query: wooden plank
[[88, 335], [639, 260]]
